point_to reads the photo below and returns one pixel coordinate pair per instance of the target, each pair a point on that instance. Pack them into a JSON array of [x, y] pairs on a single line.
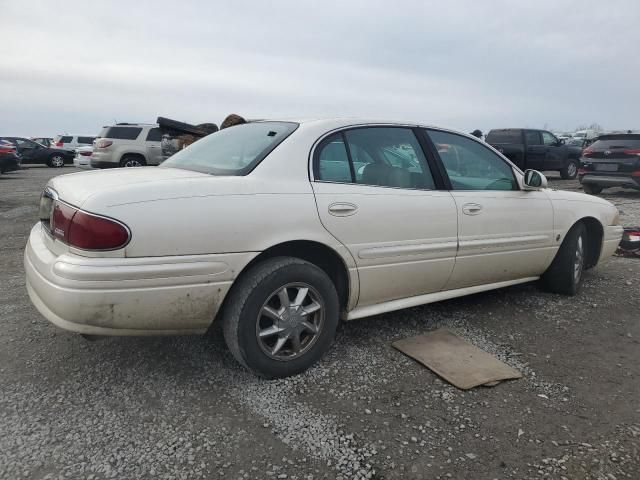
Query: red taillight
[[632, 151], [61, 220], [59, 144], [587, 152], [86, 231], [5, 150], [91, 232], [86, 154], [636, 173], [102, 143]]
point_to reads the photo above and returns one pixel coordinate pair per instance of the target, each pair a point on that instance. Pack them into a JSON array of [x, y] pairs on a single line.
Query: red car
[[9, 158]]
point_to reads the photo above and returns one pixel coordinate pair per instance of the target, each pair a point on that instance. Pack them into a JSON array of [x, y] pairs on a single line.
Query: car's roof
[[346, 121], [331, 123], [72, 135]]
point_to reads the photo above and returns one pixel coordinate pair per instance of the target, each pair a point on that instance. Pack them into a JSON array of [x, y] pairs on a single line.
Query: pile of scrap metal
[[177, 135], [630, 243]]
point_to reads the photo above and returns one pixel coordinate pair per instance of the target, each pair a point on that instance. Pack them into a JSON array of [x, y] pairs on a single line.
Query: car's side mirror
[[534, 180], [561, 142]]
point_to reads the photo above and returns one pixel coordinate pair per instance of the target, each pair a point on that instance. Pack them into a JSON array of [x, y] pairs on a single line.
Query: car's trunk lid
[[76, 188]]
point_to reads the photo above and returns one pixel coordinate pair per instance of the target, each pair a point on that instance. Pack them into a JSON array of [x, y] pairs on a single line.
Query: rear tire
[[591, 189], [56, 161], [570, 170], [132, 161], [276, 334], [564, 275]]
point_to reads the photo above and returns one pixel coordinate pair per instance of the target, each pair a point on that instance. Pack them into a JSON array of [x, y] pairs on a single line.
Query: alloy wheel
[[290, 321], [572, 169], [132, 163], [57, 161]]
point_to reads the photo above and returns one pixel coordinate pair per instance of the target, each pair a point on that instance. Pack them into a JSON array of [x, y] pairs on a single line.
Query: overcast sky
[[73, 66]]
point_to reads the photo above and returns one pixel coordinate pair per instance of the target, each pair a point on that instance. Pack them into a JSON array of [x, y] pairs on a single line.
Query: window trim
[[315, 152], [511, 166]]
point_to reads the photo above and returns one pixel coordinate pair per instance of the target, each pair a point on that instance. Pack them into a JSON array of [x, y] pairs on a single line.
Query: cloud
[[75, 66]]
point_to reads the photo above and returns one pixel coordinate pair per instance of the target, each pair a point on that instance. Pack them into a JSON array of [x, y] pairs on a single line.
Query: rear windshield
[[122, 133], [63, 139], [617, 141], [232, 151], [504, 136], [87, 140]]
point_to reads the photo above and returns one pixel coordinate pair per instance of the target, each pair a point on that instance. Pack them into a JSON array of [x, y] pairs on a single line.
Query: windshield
[[234, 150]]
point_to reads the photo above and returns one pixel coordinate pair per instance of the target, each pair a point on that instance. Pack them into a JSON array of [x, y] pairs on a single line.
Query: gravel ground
[[180, 408]]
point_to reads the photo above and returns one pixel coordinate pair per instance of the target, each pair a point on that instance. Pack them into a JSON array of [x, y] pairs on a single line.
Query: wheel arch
[[319, 254], [132, 154], [595, 235]]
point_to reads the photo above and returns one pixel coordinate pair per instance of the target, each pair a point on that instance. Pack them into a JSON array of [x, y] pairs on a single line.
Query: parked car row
[[34, 152], [119, 145]]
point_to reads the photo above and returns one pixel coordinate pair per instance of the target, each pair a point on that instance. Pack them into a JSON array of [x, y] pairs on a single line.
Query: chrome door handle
[[341, 209], [471, 209]]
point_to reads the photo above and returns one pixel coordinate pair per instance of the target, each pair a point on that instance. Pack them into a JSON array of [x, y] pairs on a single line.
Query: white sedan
[[278, 229], [83, 157]]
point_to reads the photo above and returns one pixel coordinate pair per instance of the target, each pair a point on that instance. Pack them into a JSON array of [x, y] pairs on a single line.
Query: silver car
[[128, 145]]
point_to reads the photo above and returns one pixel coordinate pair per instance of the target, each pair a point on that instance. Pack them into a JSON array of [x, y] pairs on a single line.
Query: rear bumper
[[128, 296], [608, 180], [9, 163], [82, 162], [99, 164], [103, 159]]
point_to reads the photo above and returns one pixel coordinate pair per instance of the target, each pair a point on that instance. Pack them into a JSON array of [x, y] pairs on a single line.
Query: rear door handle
[[471, 209], [342, 209]]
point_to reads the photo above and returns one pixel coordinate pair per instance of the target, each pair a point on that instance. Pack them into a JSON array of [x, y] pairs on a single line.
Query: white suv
[[71, 142], [128, 145]]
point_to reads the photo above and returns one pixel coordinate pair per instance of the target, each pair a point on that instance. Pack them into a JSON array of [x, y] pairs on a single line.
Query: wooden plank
[[457, 361]]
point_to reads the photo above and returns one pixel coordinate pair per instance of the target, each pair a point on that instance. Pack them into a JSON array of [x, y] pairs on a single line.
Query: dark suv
[[611, 161]]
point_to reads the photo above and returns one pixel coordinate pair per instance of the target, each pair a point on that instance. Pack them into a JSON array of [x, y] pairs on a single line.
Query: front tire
[[570, 170], [281, 317], [56, 161], [591, 189], [564, 275]]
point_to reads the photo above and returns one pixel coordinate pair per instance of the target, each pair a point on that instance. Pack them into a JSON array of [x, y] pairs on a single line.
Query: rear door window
[[532, 137], [388, 157], [333, 161], [504, 136], [66, 139], [154, 135], [123, 133]]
